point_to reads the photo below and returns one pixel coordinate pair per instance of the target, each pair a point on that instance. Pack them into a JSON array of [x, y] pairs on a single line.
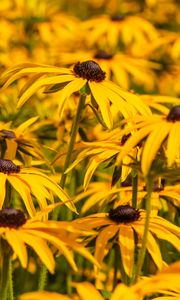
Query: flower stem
[[42, 278], [134, 190], [74, 130], [10, 289], [4, 273], [142, 251]]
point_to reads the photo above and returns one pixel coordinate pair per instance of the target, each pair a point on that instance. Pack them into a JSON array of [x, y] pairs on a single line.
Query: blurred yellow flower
[[109, 30]]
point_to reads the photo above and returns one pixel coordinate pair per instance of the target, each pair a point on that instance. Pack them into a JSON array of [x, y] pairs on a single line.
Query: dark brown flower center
[[124, 214], [12, 218], [89, 70], [117, 18], [174, 114], [102, 55], [8, 134], [8, 167]]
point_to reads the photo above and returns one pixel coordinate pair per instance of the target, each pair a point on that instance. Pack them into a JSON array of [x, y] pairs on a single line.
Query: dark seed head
[[125, 138], [12, 218], [124, 214], [117, 18], [102, 55], [8, 134], [89, 70], [174, 114], [8, 167]]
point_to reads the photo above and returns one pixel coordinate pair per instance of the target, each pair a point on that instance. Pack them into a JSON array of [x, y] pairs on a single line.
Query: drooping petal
[[14, 239], [102, 242], [73, 86], [87, 291], [43, 296], [3, 178], [41, 249], [103, 102], [152, 145], [126, 244], [22, 188], [34, 87], [56, 242], [173, 143]]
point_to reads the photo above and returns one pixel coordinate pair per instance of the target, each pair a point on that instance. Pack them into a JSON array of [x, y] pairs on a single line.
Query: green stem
[[134, 190], [74, 130], [42, 278], [10, 290], [4, 276], [142, 251]]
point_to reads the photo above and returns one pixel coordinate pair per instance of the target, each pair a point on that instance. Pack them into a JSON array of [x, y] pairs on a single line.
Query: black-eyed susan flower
[[28, 182], [87, 75], [20, 140], [157, 131], [165, 282], [121, 68], [19, 232], [121, 224], [109, 30]]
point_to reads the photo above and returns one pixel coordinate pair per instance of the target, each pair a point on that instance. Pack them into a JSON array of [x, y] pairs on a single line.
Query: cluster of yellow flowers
[[89, 94]]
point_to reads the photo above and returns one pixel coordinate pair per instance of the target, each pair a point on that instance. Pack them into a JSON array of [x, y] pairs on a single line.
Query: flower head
[[156, 131], [89, 70], [28, 182], [87, 75], [18, 231], [121, 225]]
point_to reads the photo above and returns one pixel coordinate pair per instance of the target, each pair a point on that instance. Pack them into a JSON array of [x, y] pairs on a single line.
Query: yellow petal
[[152, 145], [3, 178], [41, 249], [23, 190], [87, 291], [103, 102], [102, 241], [68, 90], [56, 242], [15, 241], [125, 293], [173, 143], [41, 83], [43, 296], [126, 243]]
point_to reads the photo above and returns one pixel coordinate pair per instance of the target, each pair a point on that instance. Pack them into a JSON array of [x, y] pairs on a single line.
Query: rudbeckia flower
[[165, 282], [100, 152], [122, 223], [19, 232], [119, 67], [20, 139], [157, 131], [28, 182], [109, 30], [86, 74]]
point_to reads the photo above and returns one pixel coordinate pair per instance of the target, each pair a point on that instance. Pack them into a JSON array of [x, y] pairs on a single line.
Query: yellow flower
[[19, 232], [165, 282], [109, 30], [21, 140], [28, 182], [86, 74], [123, 222], [99, 152], [119, 67], [157, 130]]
